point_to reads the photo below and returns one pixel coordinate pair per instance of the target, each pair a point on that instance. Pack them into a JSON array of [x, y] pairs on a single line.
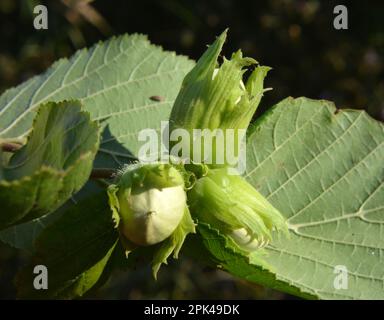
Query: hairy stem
[[102, 174], [10, 146]]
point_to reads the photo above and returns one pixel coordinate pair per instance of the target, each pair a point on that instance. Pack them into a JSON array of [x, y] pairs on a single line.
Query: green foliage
[[320, 167], [75, 249], [22, 236], [114, 81], [215, 249], [55, 162]]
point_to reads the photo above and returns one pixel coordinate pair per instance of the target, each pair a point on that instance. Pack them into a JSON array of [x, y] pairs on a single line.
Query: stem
[[10, 146], [102, 174]]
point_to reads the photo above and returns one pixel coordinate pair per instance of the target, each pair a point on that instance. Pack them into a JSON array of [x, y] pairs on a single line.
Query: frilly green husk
[[231, 205], [148, 204], [214, 96]]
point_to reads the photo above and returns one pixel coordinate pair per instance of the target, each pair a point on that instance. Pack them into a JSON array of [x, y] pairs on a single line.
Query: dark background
[[297, 38]]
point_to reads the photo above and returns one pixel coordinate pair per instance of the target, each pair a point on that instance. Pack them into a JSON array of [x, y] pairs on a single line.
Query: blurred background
[[297, 38]]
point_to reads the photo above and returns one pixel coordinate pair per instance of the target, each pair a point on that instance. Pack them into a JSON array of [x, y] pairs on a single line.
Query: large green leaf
[[212, 248], [55, 162], [75, 249], [323, 169], [115, 81]]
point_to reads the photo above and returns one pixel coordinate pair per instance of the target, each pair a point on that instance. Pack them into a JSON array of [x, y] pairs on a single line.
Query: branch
[[102, 174], [10, 146]]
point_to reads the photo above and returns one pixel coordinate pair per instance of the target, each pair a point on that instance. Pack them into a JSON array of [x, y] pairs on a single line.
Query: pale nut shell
[[245, 241], [154, 215]]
